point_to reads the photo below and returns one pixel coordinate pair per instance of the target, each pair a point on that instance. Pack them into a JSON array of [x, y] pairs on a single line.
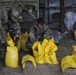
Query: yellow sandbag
[[74, 47], [8, 37], [39, 59], [44, 43], [11, 58], [37, 49], [67, 62], [53, 50], [38, 52], [7, 34], [47, 49], [53, 45], [75, 34], [52, 39], [47, 60], [28, 58], [10, 41], [74, 52], [50, 47], [74, 56], [24, 39], [23, 44], [53, 58]]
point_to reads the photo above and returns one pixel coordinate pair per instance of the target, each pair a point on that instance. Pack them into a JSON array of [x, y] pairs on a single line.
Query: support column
[[62, 27]]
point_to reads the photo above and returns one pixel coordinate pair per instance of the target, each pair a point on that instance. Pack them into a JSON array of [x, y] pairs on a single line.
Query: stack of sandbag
[[50, 52], [45, 52], [69, 61]]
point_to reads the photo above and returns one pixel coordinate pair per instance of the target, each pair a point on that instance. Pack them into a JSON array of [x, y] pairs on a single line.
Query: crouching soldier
[[38, 32]]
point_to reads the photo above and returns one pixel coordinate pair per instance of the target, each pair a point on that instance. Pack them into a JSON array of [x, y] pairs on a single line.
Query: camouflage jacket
[[36, 33], [3, 20]]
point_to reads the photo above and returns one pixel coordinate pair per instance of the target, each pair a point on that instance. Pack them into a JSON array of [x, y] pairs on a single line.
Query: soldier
[[14, 26], [39, 32]]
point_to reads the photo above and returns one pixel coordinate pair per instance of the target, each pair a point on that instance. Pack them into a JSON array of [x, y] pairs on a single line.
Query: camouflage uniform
[[39, 34], [3, 26], [14, 26]]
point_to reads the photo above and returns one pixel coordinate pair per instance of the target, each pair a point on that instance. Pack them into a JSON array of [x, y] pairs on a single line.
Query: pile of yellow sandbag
[[69, 61], [44, 52]]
